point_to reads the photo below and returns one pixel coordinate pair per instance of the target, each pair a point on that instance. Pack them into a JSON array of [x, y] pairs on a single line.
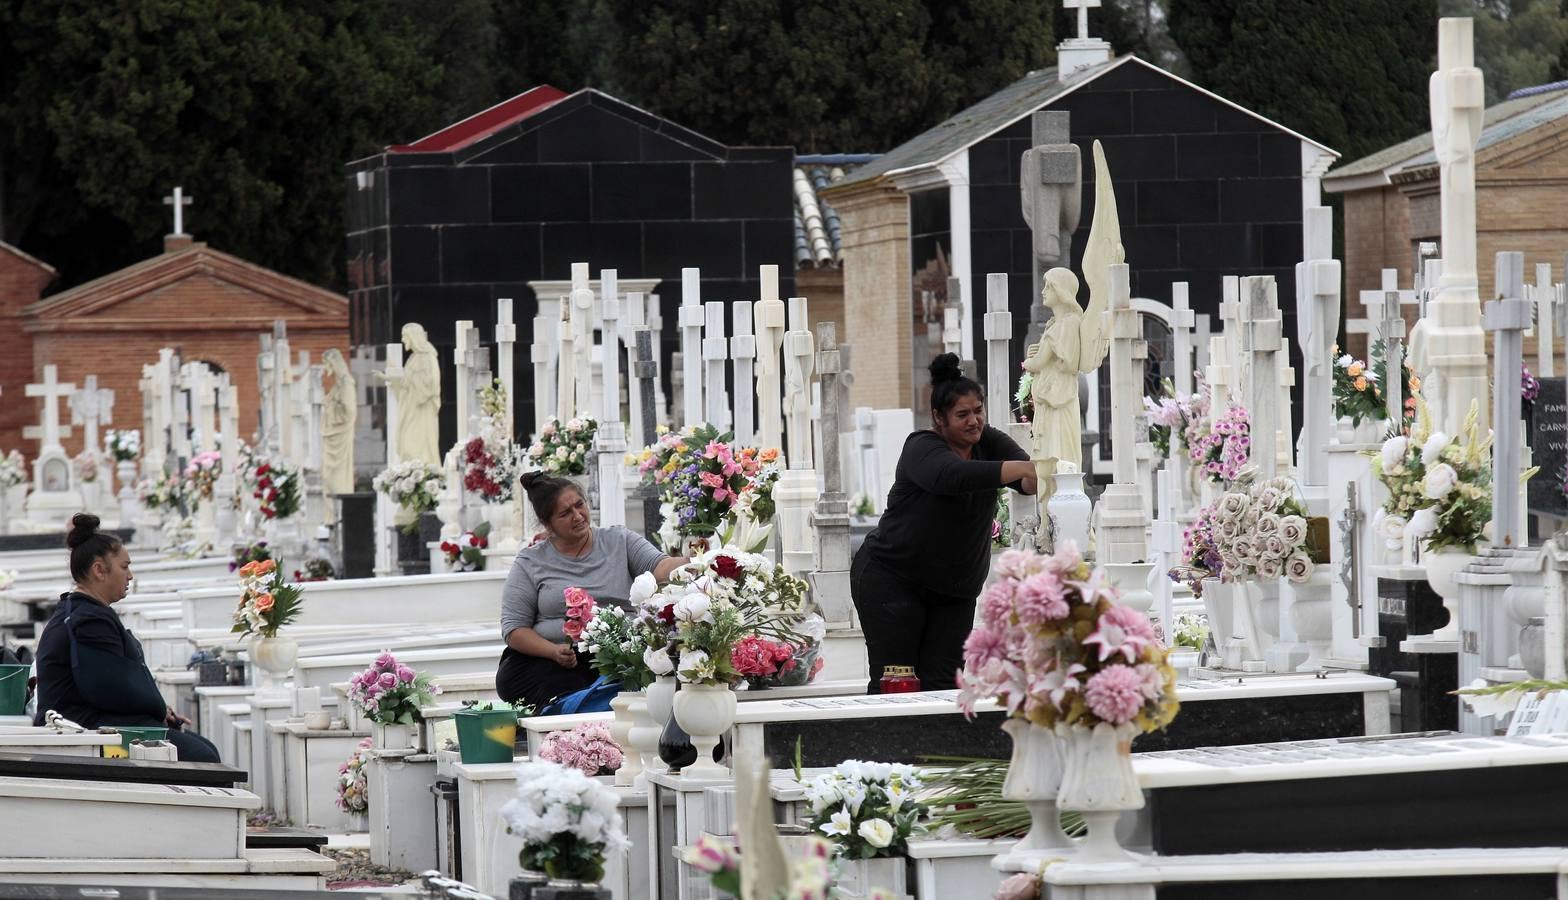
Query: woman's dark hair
[[949, 383], [544, 490], [87, 544]]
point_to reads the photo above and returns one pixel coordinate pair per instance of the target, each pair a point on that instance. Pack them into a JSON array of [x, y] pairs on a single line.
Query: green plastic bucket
[[130, 733], [486, 735], [13, 689]]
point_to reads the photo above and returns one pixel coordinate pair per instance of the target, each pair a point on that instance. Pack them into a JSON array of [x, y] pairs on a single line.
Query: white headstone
[[691, 321], [770, 326]]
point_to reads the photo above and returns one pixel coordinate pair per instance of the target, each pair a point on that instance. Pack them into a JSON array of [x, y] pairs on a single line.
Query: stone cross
[[91, 407], [565, 380], [1123, 515], [302, 422], [386, 536], [610, 440], [179, 200], [1507, 318], [634, 322], [952, 323], [50, 389], [1392, 323], [1182, 321], [798, 360], [769, 322], [1202, 331], [743, 352], [1083, 7], [461, 362], [180, 418], [280, 383], [645, 370], [1230, 330], [1262, 341], [505, 340], [870, 465], [229, 446], [830, 580], [582, 339], [266, 387], [691, 321], [1287, 380], [1051, 182], [715, 354], [1317, 319], [1451, 341], [656, 325], [541, 351], [998, 346], [1545, 321]]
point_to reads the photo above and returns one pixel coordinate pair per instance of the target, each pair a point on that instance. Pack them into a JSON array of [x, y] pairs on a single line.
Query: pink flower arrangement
[[1222, 453], [588, 748], [757, 657], [1055, 647], [579, 612], [390, 693], [353, 796]]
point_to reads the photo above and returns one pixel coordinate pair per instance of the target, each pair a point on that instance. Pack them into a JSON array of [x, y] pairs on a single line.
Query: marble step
[[1401, 793], [1522, 874], [135, 821]]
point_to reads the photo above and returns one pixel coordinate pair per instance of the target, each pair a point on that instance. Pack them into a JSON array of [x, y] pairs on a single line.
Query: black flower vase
[[677, 750]]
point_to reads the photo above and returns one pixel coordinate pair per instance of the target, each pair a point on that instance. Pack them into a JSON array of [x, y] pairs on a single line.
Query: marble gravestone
[[54, 496], [1051, 183]]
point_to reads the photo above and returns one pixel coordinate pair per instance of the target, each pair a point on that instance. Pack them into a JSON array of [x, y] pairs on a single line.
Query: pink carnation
[[1115, 694], [1041, 599], [997, 605], [982, 646]]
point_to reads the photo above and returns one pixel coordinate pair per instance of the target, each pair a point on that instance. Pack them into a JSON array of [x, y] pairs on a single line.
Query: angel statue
[[1075, 340]]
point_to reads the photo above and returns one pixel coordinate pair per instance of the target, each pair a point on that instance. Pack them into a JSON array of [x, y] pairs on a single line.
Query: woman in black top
[[90, 668], [917, 576]]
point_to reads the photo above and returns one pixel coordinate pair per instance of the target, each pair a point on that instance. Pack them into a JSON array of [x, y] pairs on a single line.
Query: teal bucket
[[130, 733], [13, 689]]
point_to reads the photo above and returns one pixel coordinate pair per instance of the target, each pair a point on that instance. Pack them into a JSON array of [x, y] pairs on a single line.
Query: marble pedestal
[[402, 809]]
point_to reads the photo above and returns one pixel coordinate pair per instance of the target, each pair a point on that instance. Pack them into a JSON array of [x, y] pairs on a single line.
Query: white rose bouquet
[[1264, 532], [567, 821], [415, 486], [866, 809]]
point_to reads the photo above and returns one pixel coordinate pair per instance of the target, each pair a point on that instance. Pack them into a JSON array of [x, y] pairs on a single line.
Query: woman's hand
[[566, 656], [175, 720], [1017, 470]]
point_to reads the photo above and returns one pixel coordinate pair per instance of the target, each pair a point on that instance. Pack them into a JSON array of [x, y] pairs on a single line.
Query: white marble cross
[[610, 441], [465, 335], [635, 320], [769, 322], [998, 351], [565, 374], [582, 338], [743, 354], [691, 321], [91, 407], [50, 389], [505, 340], [1392, 320], [1083, 7], [1317, 322], [1545, 297], [1230, 333], [799, 359], [1182, 321], [1262, 341], [1507, 318], [715, 354], [179, 200]]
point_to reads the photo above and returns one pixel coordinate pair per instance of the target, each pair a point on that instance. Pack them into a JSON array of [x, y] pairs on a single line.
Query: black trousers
[[537, 681], [192, 747], [908, 624]]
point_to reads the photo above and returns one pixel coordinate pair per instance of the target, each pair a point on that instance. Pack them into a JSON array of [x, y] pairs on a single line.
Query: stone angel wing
[[1104, 249]]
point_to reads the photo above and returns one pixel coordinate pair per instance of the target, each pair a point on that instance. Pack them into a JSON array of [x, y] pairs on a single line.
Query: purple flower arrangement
[[1223, 452]]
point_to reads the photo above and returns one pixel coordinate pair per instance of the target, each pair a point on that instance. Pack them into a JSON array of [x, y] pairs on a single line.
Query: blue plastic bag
[[595, 697]]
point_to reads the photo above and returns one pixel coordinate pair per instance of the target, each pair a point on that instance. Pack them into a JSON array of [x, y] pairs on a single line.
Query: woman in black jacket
[[917, 576], [90, 668]]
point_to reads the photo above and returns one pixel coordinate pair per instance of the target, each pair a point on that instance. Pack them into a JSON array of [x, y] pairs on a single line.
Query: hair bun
[[530, 478], [83, 526], [946, 368]]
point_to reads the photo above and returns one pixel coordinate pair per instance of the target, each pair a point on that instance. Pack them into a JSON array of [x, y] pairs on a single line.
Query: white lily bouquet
[[866, 809]]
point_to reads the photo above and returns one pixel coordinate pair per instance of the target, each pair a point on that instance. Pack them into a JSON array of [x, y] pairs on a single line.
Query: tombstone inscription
[[1548, 429]]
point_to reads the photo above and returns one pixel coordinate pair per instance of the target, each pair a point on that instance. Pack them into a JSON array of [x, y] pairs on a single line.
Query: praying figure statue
[[418, 399], [338, 413]]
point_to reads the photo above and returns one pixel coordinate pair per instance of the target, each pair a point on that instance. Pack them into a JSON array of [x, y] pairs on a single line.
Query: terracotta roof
[[1017, 101], [482, 124], [817, 234], [1496, 120], [167, 268]]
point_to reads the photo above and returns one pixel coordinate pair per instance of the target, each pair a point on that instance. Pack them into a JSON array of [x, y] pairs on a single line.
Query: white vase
[[859, 877], [1218, 606], [1344, 430], [661, 706], [705, 712], [620, 732], [644, 738], [125, 473], [274, 657], [394, 737], [1034, 776], [1371, 431], [1132, 581], [1069, 510], [1098, 782], [1441, 566], [1311, 612]]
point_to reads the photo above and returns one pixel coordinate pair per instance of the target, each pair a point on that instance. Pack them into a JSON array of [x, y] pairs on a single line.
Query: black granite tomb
[[1425, 679], [1434, 887], [1548, 429], [130, 771], [357, 533]]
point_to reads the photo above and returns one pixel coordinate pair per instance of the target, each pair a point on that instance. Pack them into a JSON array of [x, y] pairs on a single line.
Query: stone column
[[691, 322], [797, 489], [565, 371], [1545, 296], [610, 442], [645, 369], [743, 351], [830, 580], [228, 478], [1317, 319], [386, 510], [582, 339], [998, 345], [1507, 318], [505, 340], [1122, 537], [715, 354], [769, 321]]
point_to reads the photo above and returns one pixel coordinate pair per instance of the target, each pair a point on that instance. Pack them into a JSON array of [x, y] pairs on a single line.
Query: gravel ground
[[354, 866]]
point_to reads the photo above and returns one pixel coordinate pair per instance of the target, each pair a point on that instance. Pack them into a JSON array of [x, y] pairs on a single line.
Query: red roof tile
[[485, 123]]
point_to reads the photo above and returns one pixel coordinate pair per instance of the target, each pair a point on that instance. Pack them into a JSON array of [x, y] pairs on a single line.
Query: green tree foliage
[[1518, 43], [253, 106], [1349, 73]]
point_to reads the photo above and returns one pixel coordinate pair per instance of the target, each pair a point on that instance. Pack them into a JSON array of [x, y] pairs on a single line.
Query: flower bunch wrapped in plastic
[[201, 473], [1055, 647], [710, 489], [588, 748], [274, 485], [1264, 533], [770, 663], [267, 603], [614, 639], [390, 693], [415, 486], [564, 448], [719, 598], [1224, 450], [352, 789], [1439, 487], [123, 444], [579, 611], [866, 809], [467, 553], [566, 820]]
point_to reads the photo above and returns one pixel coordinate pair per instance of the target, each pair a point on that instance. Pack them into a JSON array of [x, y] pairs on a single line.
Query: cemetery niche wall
[[442, 228]]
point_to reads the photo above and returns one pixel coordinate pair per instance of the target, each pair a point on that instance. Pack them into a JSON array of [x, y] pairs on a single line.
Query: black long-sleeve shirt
[[99, 627], [937, 527]]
